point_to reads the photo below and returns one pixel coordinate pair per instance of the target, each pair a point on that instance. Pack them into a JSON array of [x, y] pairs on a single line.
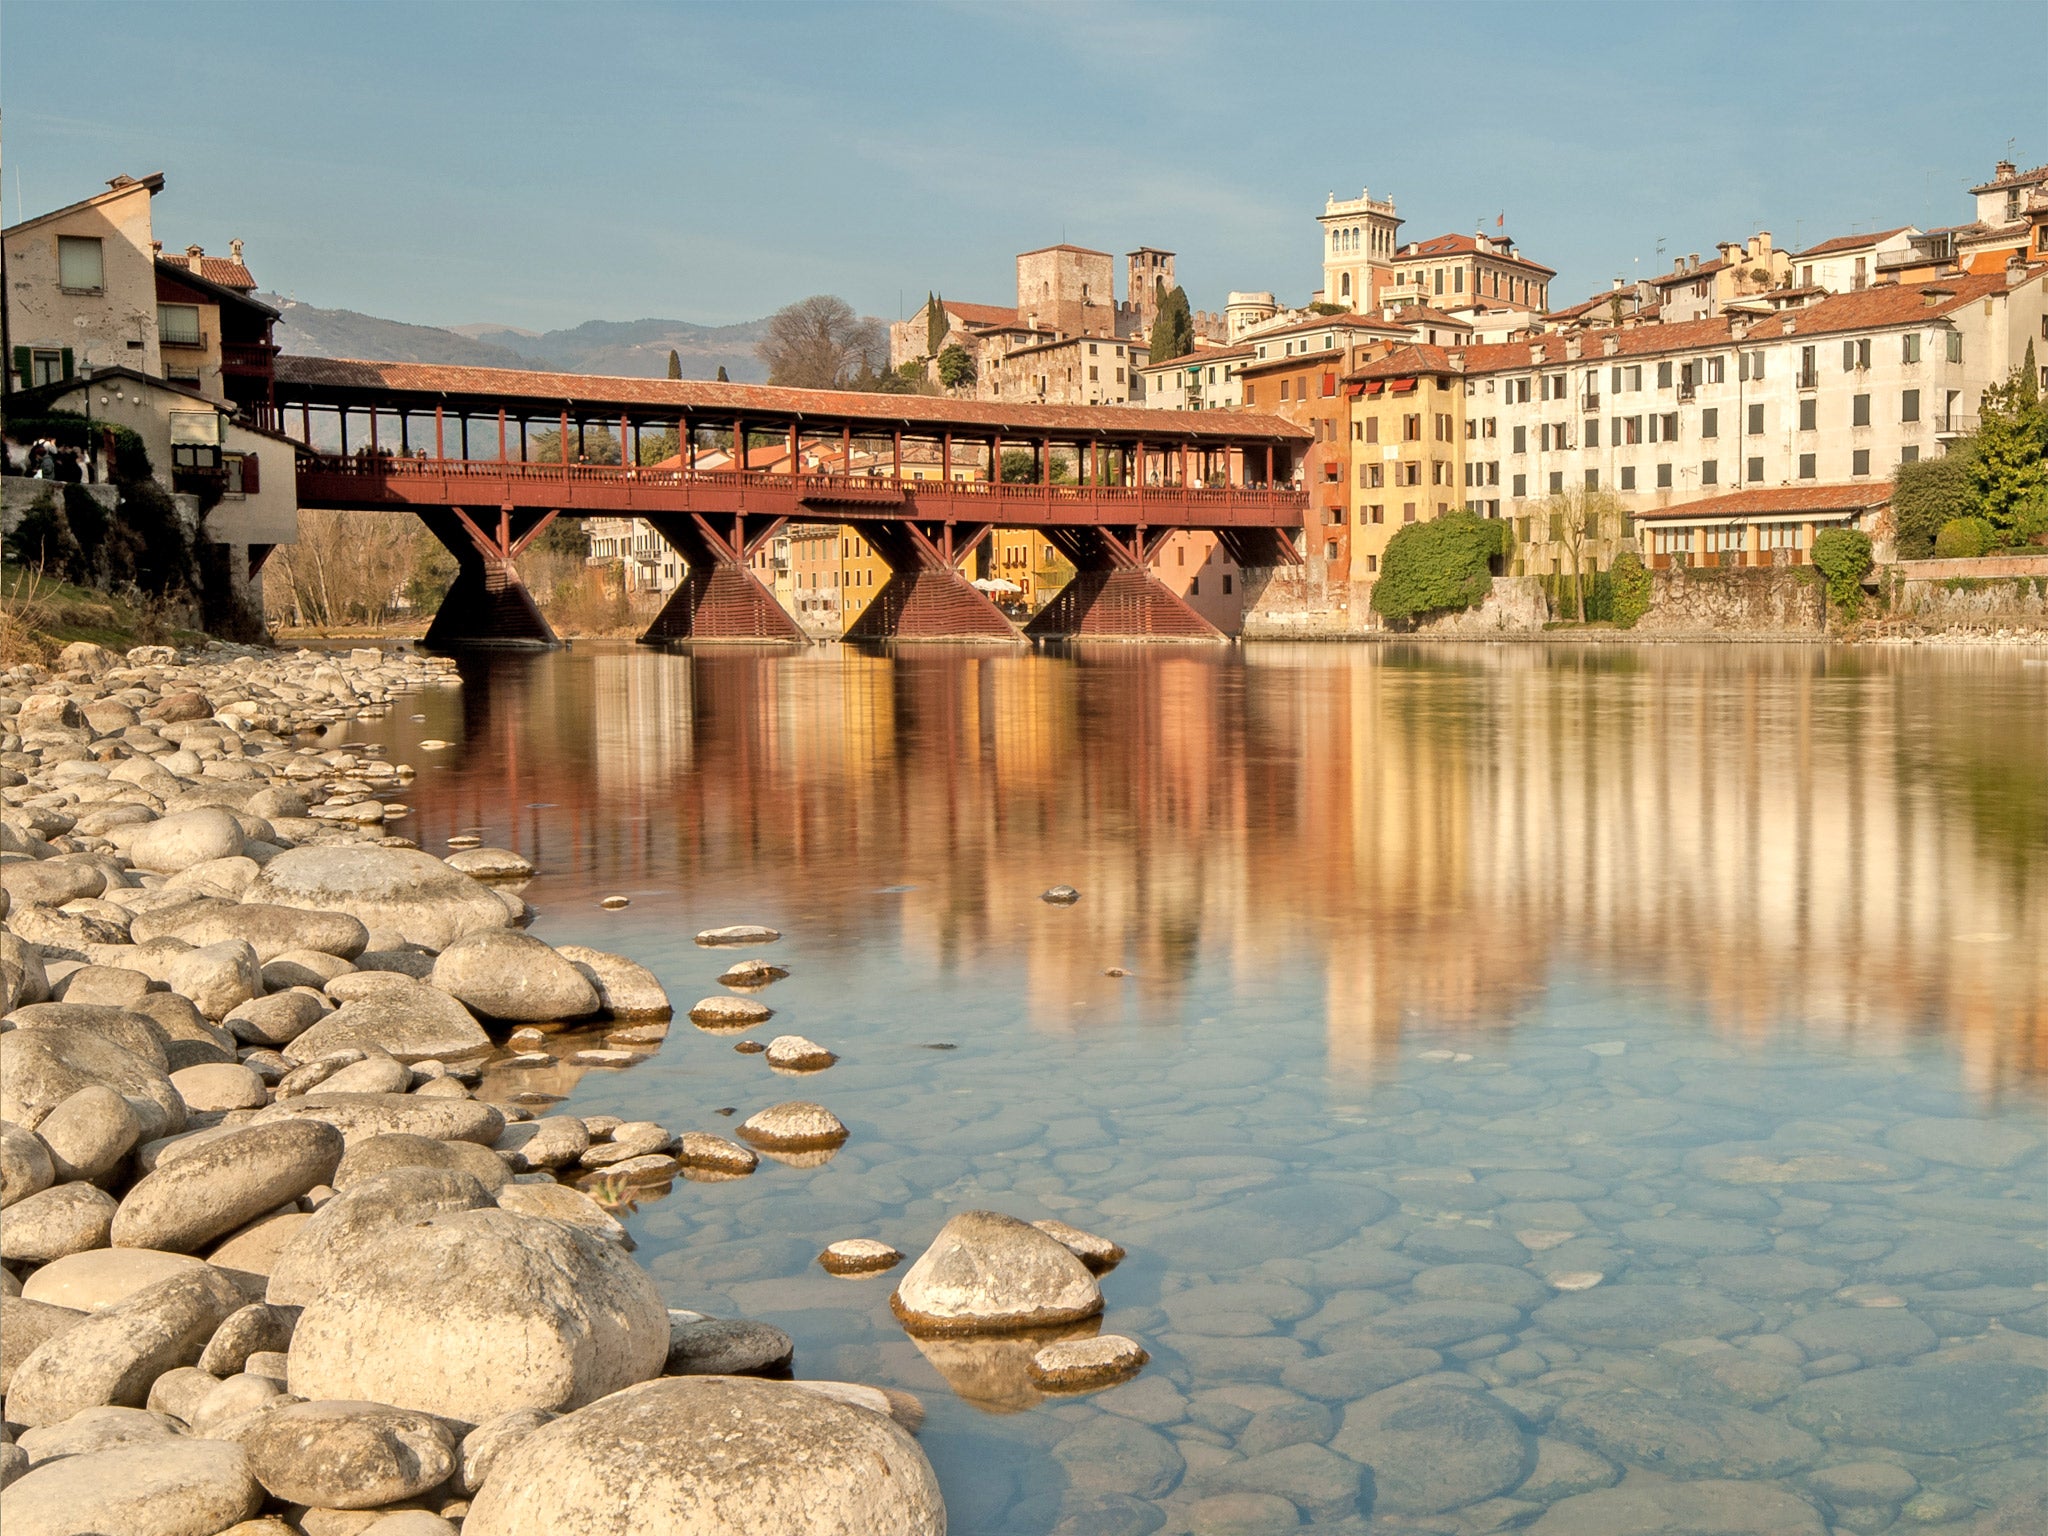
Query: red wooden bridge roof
[[327, 381]]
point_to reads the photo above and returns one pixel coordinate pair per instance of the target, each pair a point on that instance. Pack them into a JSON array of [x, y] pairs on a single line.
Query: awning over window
[[1353, 391], [1403, 386]]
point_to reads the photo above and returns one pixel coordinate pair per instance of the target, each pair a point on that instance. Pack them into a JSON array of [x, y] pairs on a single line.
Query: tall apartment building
[[1408, 451], [1360, 236], [1452, 270], [1811, 406]]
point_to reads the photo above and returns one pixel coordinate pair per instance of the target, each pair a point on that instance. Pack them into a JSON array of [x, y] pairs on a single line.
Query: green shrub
[[1963, 538], [1928, 494], [1630, 588], [1842, 555], [42, 540], [1439, 566]]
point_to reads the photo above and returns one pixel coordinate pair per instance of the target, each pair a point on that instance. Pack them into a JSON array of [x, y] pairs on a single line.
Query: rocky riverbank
[[276, 1263]]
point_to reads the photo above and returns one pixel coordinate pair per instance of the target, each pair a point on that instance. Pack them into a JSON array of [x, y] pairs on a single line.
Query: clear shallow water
[[1457, 978]]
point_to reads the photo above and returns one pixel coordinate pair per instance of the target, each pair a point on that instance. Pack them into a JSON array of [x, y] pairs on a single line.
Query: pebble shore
[[273, 1261]]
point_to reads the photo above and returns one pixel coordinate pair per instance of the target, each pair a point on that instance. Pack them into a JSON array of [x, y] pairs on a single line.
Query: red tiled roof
[[1422, 314], [226, 271], [1848, 243], [1404, 361], [1347, 321], [1780, 501], [1871, 309], [980, 314], [1704, 269], [2016, 179], [1463, 245], [1081, 250], [1201, 355], [348, 379]]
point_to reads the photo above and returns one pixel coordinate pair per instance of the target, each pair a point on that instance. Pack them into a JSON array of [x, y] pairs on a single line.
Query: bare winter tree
[[820, 343]]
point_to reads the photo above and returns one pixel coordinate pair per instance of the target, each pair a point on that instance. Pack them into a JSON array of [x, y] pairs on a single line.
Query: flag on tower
[[1502, 221]]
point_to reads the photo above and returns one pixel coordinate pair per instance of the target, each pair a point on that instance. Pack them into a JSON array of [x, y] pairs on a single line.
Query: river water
[[1513, 1071]]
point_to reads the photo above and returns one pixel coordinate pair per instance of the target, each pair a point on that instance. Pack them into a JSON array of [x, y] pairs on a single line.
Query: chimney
[[1456, 360], [235, 251], [2015, 270], [1536, 355], [156, 247], [1617, 285], [1610, 345], [2003, 169], [1788, 326], [1571, 348], [1738, 330], [1692, 261], [195, 255]]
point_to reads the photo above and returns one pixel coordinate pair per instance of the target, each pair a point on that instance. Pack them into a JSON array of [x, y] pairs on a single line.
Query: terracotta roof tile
[[981, 314], [1779, 500], [226, 271], [1848, 242], [332, 378], [1462, 245]]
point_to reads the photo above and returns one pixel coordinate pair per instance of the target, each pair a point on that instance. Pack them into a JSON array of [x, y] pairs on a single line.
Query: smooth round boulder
[[225, 1184], [24, 1324], [714, 1154], [255, 1328], [55, 1223], [399, 889], [794, 1053], [725, 1346], [96, 1429], [134, 1031], [474, 1313], [26, 1166], [1098, 1253], [712, 1456], [513, 976], [490, 863], [333, 1238], [168, 1486], [177, 842], [561, 1203], [794, 1127], [89, 1281], [348, 1455], [1083, 1365], [220, 1085], [373, 1074], [482, 1446], [114, 1355], [90, 1133], [278, 1019], [270, 929], [51, 882], [737, 933], [407, 1020], [728, 1012], [990, 1273], [625, 988], [217, 978], [359, 1116], [858, 1256], [41, 1068], [381, 1154], [1434, 1447]]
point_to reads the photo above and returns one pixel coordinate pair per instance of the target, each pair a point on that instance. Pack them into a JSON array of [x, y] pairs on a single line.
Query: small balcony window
[[81, 264], [177, 325]]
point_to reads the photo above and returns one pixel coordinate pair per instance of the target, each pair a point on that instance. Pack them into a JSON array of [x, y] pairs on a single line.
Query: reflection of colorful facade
[[1845, 847]]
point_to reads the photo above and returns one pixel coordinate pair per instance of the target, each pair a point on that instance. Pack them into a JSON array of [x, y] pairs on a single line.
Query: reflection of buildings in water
[[1784, 836]]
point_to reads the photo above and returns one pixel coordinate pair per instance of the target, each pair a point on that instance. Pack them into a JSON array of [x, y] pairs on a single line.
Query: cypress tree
[[675, 364], [1173, 332], [721, 375], [935, 326]]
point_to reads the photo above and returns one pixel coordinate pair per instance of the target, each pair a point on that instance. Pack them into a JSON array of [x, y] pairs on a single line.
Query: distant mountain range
[[633, 348]]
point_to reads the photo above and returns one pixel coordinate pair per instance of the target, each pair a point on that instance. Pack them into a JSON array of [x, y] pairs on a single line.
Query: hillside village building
[[99, 323]]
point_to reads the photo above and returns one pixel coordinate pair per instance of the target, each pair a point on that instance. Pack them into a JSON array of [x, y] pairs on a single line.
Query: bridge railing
[[1133, 499]]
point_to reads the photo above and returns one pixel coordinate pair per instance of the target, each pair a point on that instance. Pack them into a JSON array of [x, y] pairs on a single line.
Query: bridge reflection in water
[[1133, 475], [1785, 843]]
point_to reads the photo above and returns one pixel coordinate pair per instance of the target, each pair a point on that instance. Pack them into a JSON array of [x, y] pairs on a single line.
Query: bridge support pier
[[488, 605], [720, 599], [927, 597], [1114, 595]]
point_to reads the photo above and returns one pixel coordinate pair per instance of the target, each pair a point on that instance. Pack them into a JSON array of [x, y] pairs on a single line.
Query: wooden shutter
[[24, 366], [250, 482], [67, 362]]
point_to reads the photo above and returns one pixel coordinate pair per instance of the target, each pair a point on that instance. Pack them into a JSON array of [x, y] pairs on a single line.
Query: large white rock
[[712, 1456], [25, 1324], [507, 975], [348, 1455], [53, 1223], [990, 1273], [331, 1241], [90, 1132], [271, 929], [405, 1019], [359, 1116], [402, 890], [625, 988], [162, 1486], [475, 1313], [178, 842], [41, 1068], [215, 1188], [89, 1282], [27, 1167], [217, 978], [114, 1355]]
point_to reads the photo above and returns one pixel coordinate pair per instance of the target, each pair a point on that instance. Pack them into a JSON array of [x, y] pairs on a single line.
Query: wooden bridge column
[[1114, 594], [927, 596], [721, 598], [488, 605]]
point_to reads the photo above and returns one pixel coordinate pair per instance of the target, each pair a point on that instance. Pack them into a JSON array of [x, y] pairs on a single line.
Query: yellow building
[[1407, 433]]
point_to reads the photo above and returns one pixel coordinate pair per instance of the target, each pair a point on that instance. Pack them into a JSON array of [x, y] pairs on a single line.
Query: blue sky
[[539, 164]]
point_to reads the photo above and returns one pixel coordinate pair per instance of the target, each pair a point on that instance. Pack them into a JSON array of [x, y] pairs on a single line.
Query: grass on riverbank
[[39, 616]]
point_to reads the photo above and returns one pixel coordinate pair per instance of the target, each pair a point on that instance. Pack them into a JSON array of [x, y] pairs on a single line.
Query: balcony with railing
[[1954, 424], [174, 333]]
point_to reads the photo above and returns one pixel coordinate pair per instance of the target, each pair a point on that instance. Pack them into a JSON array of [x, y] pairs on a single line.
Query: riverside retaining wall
[[1996, 592]]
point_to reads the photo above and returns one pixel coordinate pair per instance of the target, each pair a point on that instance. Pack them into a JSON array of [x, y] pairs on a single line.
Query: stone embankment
[[272, 1265]]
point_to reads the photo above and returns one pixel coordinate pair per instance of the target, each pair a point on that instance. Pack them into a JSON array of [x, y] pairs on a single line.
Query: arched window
[[1345, 285]]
